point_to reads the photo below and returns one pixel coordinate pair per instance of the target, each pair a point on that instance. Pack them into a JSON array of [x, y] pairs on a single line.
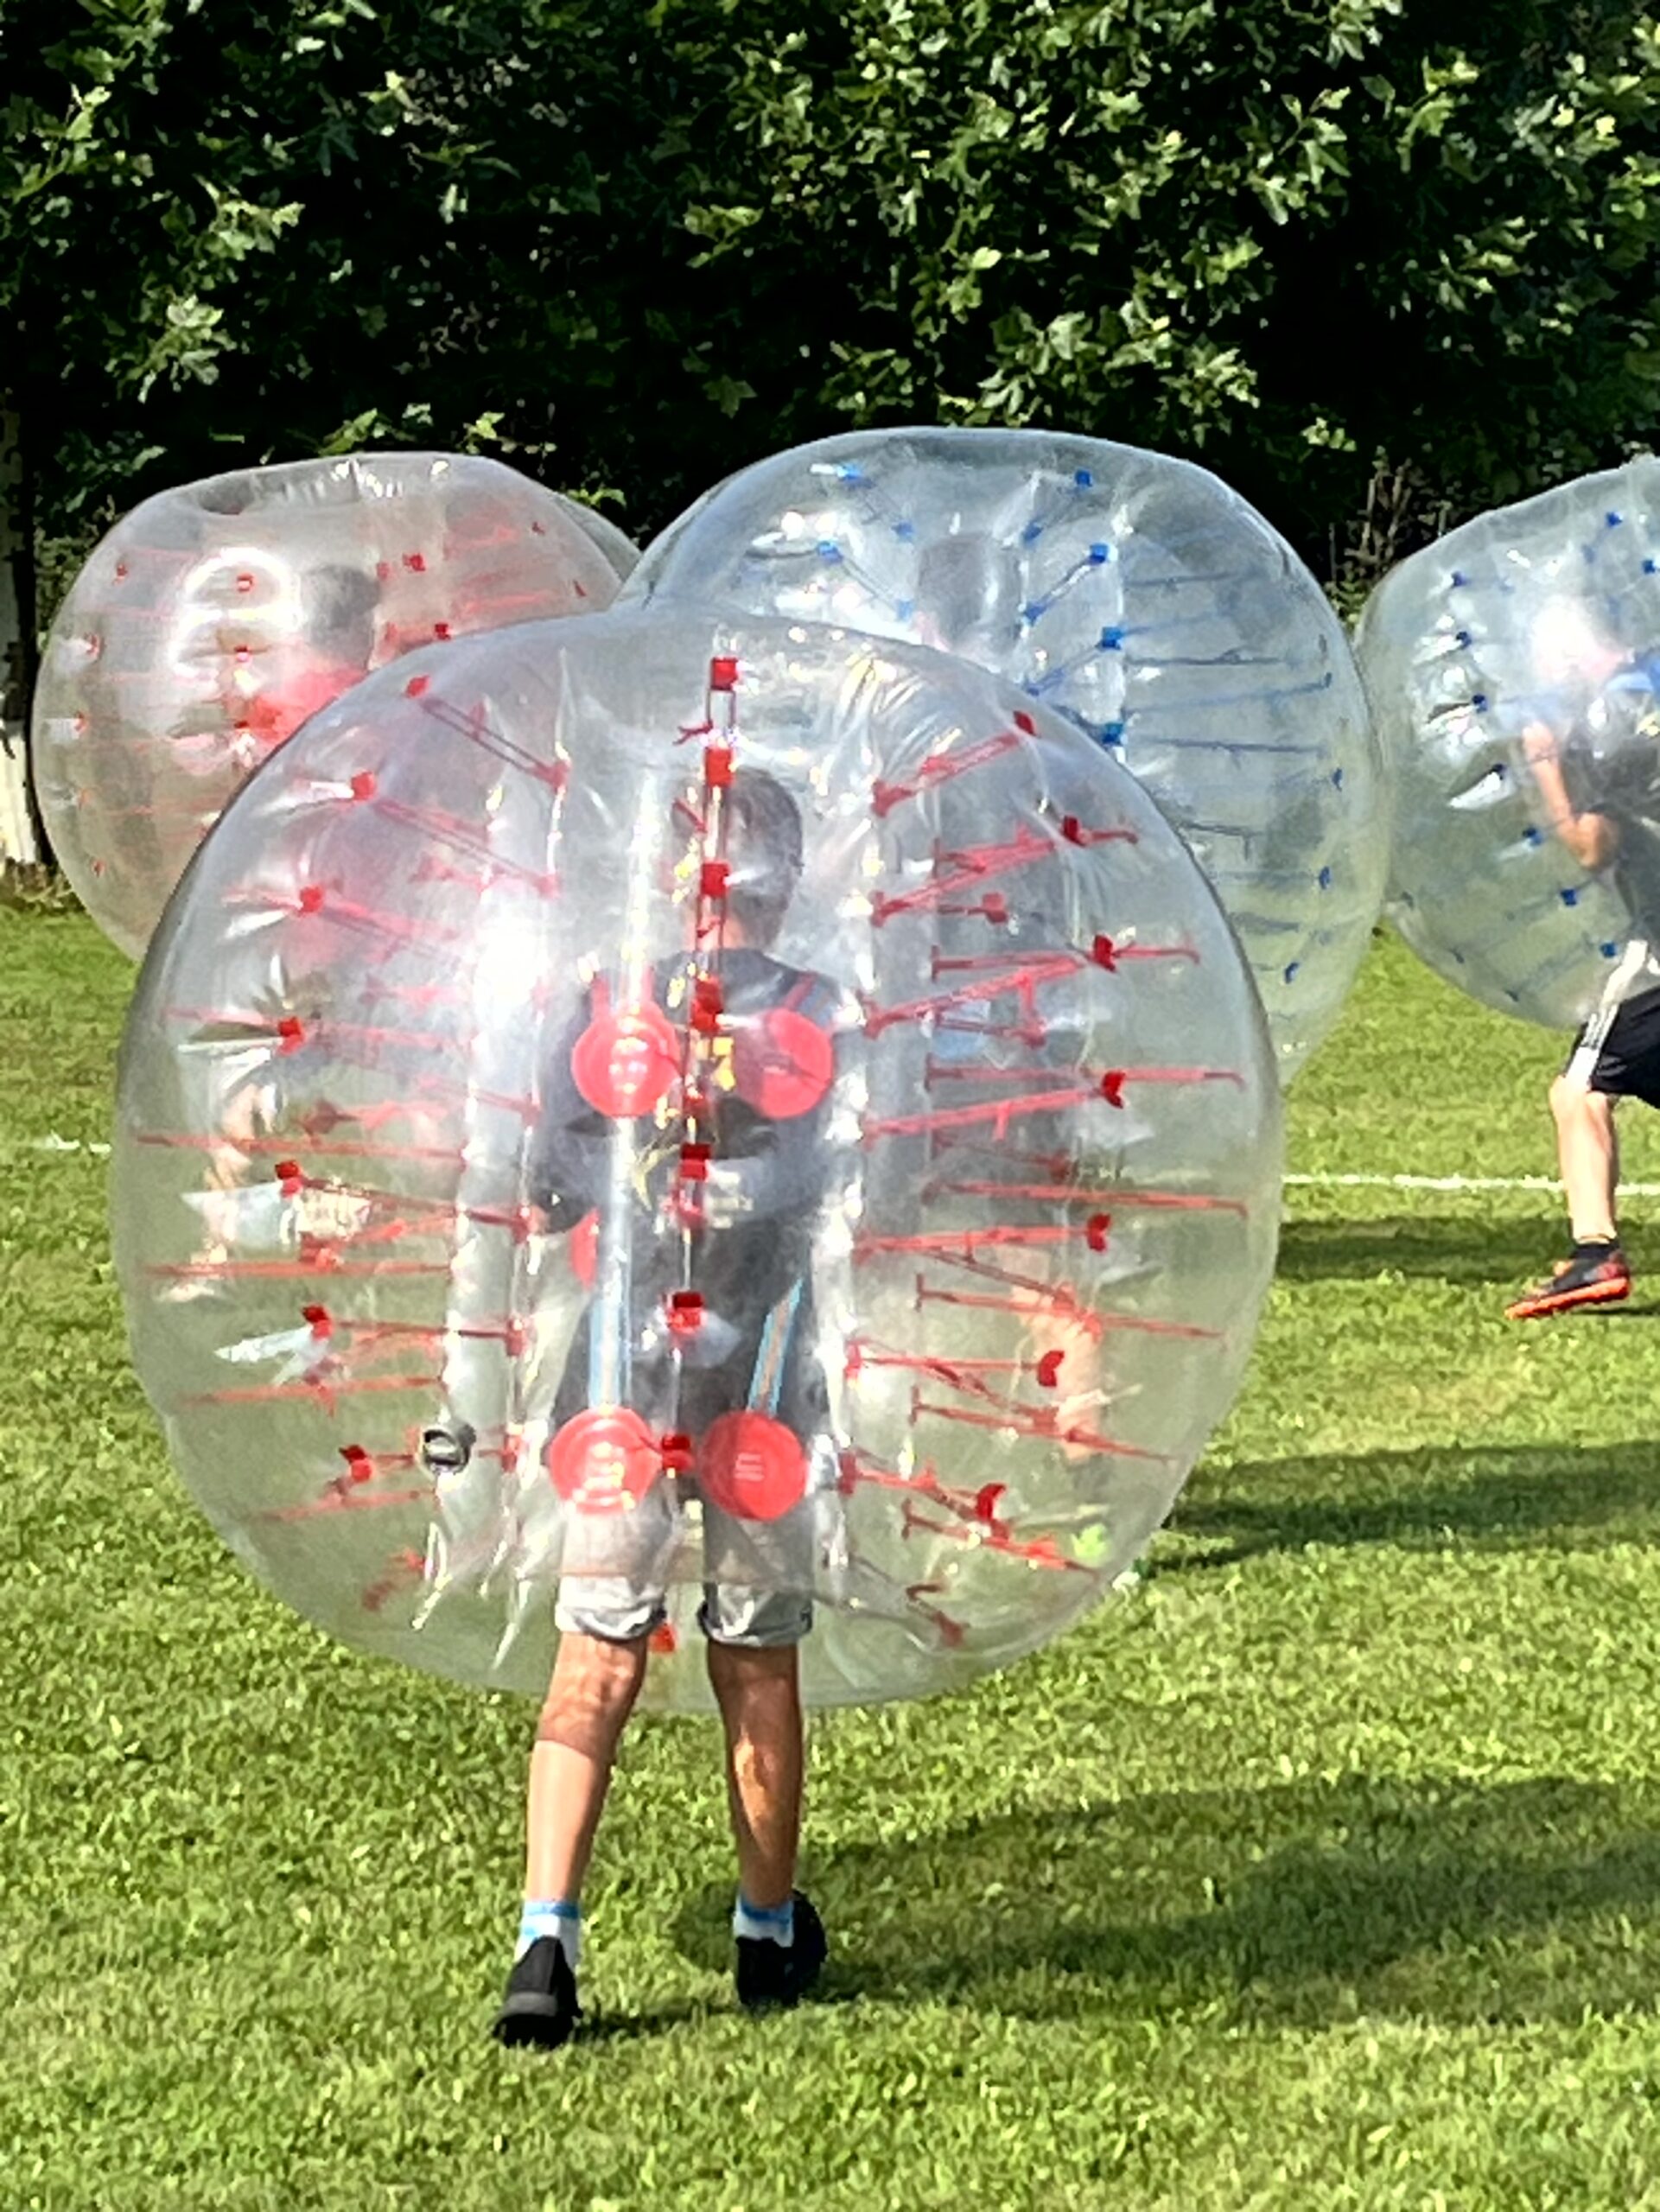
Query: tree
[[633, 243]]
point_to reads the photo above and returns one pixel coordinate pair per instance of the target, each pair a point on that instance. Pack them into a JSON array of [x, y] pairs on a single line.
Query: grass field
[[1324, 1873]]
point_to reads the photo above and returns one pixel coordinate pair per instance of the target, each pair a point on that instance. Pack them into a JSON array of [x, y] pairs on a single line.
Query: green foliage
[[1324, 1873], [635, 242], [1288, 238]]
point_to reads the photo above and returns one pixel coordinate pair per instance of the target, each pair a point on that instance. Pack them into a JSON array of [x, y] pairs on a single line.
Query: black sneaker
[[1597, 1275], [781, 1973], [540, 2004]]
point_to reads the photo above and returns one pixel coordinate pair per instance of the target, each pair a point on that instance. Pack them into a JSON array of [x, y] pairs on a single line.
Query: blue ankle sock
[[773, 1923], [555, 1917]]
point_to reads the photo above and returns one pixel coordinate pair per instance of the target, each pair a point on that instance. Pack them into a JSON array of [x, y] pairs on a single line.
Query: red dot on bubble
[[415, 686]]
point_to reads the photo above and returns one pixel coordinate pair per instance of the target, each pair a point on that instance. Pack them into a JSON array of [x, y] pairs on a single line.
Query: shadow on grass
[[1503, 1250], [1283, 1907], [1557, 1496]]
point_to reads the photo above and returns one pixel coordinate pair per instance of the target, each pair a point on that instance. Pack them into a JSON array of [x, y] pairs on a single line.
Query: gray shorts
[[757, 1593]]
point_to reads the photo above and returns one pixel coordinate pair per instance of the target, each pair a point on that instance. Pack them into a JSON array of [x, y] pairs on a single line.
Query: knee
[[592, 1693], [1567, 1100], [758, 1691]]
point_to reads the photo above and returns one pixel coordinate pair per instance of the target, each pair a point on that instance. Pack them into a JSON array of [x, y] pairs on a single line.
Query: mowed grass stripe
[[1322, 1872]]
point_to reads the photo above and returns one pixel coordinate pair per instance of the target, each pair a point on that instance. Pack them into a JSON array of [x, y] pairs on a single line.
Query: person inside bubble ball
[[1599, 782], [743, 1389], [271, 693]]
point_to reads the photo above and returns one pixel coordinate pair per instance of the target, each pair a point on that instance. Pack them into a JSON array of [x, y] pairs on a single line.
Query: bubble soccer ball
[[214, 619], [627, 1105], [1140, 596], [1513, 668]]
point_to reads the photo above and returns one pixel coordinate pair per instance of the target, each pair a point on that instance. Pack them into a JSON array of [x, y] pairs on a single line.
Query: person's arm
[[1592, 838], [785, 1175], [785, 1172]]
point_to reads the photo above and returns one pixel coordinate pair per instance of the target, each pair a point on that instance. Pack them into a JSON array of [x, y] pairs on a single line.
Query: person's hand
[[721, 1197]]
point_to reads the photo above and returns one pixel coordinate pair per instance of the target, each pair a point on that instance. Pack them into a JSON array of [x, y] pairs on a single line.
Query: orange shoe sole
[[1563, 1301]]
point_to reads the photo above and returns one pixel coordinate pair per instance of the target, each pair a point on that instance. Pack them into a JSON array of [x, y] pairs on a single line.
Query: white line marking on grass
[[1455, 1184]]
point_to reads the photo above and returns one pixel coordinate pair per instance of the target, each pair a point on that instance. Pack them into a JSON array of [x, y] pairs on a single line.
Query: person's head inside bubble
[[764, 857]]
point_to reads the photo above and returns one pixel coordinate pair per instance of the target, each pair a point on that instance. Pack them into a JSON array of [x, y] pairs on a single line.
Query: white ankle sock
[[765, 1923], [555, 1917]]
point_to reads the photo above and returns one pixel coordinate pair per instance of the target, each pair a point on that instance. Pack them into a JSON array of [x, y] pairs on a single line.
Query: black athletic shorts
[[1618, 1051]]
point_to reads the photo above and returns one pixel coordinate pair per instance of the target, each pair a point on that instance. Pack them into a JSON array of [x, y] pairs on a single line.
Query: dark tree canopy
[[632, 246]]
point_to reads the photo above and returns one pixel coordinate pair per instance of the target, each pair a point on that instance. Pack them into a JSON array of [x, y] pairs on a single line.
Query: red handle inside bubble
[[625, 1061]]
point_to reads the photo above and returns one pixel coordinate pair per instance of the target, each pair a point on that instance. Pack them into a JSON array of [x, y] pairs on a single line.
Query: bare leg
[[592, 1693], [1588, 1152], [759, 1697]]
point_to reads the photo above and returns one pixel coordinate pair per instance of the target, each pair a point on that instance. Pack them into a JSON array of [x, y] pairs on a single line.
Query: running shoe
[[777, 1974], [1597, 1275]]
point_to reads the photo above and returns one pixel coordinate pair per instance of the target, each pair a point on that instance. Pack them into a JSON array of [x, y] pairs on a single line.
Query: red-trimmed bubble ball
[[215, 619], [1137, 595], [628, 1105]]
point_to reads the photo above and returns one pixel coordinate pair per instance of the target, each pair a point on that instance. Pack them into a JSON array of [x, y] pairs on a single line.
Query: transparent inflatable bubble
[[1514, 667], [215, 618], [624, 1106], [1140, 596]]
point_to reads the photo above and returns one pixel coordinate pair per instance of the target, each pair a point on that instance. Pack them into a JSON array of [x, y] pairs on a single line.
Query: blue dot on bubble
[[1609, 951], [1099, 555], [1336, 779], [1464, 638], [1083, 477], [828, 549], [1112, 639], [1031, 534], [1459, 579], [1650, 565], [1290, 973], [1324, 879], [1479, 702], [905, 531], [904, 608], [1569, 898], [1033, 609], [1534, 836], [850, 471], [1613, 520], [1113, 733]]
